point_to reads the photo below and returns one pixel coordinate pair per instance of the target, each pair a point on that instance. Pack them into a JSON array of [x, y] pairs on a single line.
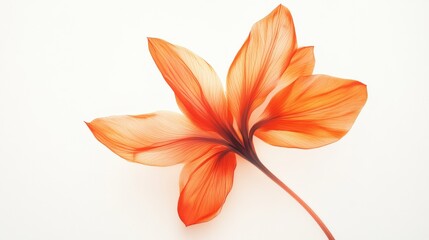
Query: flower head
[[271, 94]]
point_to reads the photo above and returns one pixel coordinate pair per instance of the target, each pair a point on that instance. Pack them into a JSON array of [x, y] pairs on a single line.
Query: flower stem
[[255, 161]]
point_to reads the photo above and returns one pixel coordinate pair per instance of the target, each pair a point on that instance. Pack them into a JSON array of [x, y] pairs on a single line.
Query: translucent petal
[[311, 112], [205, 184], [160, 139]]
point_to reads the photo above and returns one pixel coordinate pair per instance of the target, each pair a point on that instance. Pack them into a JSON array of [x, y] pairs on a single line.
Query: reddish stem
[[250, 154], [267, 172]]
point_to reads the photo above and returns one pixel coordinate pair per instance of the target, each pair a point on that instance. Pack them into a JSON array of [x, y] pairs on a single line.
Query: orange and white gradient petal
[[158, 139], [271, 94], [205, 184], [301, 64], [199, 92], [312, 112], [260, 63]]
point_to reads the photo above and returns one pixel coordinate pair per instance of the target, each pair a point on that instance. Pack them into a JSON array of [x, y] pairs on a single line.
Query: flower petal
[[312, 112], [198, 90], [301, 64], [159, 139], [260, 63], [208, 182]]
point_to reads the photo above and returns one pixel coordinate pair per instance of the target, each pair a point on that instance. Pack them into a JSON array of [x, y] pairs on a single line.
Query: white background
[[65, 62]]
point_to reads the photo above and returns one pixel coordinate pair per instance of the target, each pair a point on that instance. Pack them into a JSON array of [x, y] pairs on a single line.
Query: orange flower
[[271, 94]]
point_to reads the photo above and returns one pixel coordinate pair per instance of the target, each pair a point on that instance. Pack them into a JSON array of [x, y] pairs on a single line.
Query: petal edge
[[156, 139], [207, 187], [312, 112], [260, 62]]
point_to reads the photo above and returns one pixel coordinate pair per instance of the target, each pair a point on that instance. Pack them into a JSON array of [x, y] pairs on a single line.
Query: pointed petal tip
[[152, 41], [88, 124], [361, 84], [281, 7], [187, 223], [279, 10], [92, 127]]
